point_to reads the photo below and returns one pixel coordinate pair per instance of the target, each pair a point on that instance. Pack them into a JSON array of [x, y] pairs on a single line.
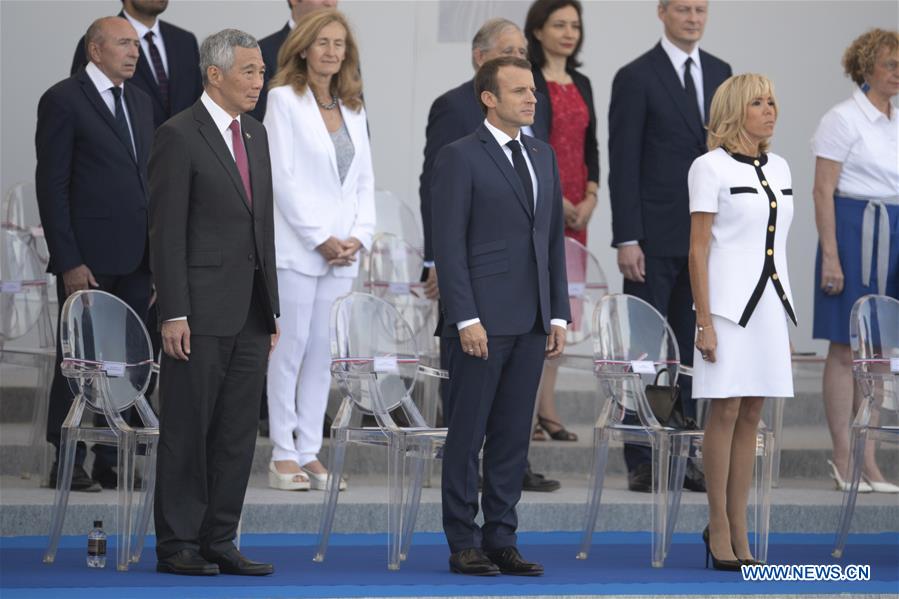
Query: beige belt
[[883, 233]]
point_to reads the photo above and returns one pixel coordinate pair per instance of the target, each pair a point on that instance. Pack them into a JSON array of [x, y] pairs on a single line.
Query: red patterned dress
[[569, 128]]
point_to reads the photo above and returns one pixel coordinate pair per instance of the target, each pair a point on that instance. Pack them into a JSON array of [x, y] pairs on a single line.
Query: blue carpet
[[356, 567]]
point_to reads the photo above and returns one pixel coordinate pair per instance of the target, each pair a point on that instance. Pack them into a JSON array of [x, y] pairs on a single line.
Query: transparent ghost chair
[[26, 332], [394, 216], [108, 359], [375, 361], [394, 275], [633, 344], [874, 338], [586, 286], [19, 216]]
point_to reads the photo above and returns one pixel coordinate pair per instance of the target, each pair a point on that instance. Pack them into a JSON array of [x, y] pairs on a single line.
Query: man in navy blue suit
[[168, 69], [457, 113], [271, 45], [499, 248], [93, 141], [657, 115]]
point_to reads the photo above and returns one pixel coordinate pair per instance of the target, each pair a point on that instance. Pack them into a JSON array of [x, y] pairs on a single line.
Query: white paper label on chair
[[576, 289], [894, 364], [11, 286], [643, 367], [114, 369], [386, 364], [398, 288]]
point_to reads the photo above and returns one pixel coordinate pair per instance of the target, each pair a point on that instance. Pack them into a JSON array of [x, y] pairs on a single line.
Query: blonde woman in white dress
[[741, 201]]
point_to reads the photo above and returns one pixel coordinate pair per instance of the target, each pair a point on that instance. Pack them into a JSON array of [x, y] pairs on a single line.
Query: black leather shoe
[[640, 479], [472, 562], [187, 562], [80, 480], [694, 479], [108, 479], [537, 482], [234, 562], [509, 561]]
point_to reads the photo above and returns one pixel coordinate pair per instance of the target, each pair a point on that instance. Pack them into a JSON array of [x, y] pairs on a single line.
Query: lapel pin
[[247, 133]]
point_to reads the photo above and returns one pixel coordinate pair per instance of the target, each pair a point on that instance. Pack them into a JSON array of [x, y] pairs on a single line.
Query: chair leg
[[332, 491], [777, 443], [856, 460], [660, 495], [413, 500], [125, 466], [396, 458], [63, 482], [679, 456], [146, 503], [767, 452], [595, 483], [38, 455]]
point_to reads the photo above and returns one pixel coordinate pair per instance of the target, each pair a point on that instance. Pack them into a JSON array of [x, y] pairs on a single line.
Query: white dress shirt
[[104, 86], [502, 138], [678, 59], [145, 47], [866, 142], [222, 122]]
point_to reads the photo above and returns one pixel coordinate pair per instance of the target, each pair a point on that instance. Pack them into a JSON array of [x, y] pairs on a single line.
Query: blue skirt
[[832, 311]]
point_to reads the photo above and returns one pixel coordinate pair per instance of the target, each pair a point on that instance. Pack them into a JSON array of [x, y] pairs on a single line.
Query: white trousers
[[299, 370]]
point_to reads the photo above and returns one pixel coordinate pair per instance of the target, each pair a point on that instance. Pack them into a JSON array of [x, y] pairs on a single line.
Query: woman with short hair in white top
[[324, 214], [741, 202], [856, 196]]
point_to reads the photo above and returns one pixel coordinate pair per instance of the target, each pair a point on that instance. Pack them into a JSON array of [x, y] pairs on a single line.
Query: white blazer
[[753, 205], [310, 202]]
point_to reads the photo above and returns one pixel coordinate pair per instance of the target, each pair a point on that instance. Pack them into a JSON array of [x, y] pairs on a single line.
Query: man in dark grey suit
[[499, 246], [213, 260]]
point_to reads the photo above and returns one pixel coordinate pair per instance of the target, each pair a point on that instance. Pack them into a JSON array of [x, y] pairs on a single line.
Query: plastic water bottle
[[96, 546]]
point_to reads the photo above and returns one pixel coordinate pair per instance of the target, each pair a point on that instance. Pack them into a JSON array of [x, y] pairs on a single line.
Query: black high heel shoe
[[718, 564]]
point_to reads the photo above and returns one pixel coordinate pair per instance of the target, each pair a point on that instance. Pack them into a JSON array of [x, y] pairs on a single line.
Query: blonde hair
[[293, 69], [727, 117], [860, 56]]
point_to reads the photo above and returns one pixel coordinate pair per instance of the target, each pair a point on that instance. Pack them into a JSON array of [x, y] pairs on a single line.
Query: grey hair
[[486, 36], [218, 49]]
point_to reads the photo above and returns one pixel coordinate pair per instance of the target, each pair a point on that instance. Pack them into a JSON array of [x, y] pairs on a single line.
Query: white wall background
[[412, 51]]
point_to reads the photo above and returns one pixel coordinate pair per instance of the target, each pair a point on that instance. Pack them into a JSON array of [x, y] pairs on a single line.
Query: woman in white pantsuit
[[324, 214], [741, 203]]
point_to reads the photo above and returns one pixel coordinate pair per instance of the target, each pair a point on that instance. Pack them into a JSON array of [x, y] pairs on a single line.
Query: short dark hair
[[485, 78], [537, 17]]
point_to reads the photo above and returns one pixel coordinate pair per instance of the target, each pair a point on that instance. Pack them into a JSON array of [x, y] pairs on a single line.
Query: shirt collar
[[219, 116], [868, 109], [99, 78], [677, 56], [143, 29], [291, 23], [501, 137]]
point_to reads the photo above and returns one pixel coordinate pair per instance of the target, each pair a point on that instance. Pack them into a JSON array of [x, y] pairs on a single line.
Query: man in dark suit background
[[213, 260], [457, 113], [657, 115], [93, 141], [499, 247], [271, 45], [168, 69]]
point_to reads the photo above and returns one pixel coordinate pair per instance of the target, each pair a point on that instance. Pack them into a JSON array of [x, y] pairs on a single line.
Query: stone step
[[801, 506], [804, 455]]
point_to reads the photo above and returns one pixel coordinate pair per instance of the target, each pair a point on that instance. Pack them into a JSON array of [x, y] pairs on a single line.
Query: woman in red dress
[[554, 32]]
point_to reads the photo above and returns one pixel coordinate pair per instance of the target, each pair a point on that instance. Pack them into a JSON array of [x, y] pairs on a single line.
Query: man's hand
[[275, 338], [432, 291], [176, 339], [474, 340], [555, 342], [632, 263], [330, 249], [78, 278]]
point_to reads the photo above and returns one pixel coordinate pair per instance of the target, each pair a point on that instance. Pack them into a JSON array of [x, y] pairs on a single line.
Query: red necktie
[[240, 157]]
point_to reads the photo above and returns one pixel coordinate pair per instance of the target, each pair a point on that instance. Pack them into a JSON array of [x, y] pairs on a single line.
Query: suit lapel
[[143, 70], [90, 90], [502, 162], [709, 85], [318, 124], [537, 159], [255, 155], [669, 78], [214, 138]]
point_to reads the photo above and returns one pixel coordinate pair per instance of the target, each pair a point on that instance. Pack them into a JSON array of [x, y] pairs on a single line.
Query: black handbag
[[666, 405]]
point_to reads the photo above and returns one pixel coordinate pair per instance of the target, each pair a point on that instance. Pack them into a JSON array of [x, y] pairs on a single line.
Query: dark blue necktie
[[690, 89], [121, 123], [524, 174]]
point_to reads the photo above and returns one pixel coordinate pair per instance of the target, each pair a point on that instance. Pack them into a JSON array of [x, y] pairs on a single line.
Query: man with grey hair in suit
[[213, 260]]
